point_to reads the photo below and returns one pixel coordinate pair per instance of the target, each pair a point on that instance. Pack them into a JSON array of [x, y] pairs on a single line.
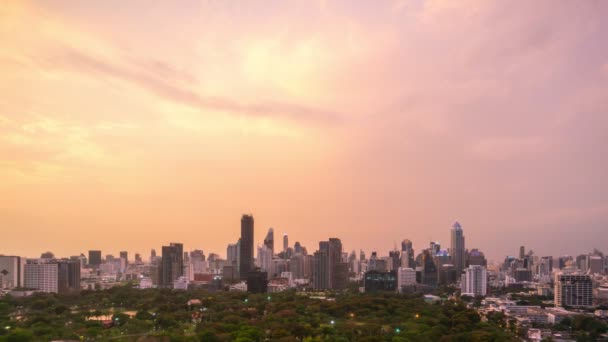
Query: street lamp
[[332, 322], [397, 330]]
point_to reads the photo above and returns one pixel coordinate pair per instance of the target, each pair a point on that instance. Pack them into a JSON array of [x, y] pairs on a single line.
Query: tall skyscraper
[[95, 259], [457, 250], [285, 243], [574, 290], [329, 271], [246, 248], [265, 260], [407, 254], [172, 264], [269, 240], [474, 282], [522, 252], [232, 254], [125, 255]]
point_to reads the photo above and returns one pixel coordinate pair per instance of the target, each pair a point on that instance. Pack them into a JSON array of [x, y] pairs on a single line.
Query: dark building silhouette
[[246, 246], [172, 264], [95, 259], [269, 240], [429, 269], [395, 258], [68, 275], [125, 255], [329, 272], [375, 281], [257, 281]]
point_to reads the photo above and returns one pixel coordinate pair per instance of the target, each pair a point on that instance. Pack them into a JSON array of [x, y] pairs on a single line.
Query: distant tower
[[285, 242], [522, 252], [269, 240], [457, 250], [407, 254], [246, 247]]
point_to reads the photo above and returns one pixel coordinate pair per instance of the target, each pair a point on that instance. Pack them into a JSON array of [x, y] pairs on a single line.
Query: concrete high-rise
[[125, 255], [407, 254], [172, 264], [285, 243], [457, 250], [246, 246], [574, 290], [475, 281], [11, 271], [329, 272], [269, 240], [95, 259]]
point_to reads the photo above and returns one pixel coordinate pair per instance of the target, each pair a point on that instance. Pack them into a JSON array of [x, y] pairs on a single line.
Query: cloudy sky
[[127, 125]]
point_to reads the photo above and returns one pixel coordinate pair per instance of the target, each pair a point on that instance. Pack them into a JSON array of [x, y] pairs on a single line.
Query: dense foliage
[[155, 314]]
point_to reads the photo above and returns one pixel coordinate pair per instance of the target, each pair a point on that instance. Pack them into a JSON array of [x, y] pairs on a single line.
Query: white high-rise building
[[265, 259], [405, 276], [42, 276], [475, 281], [11, 272]]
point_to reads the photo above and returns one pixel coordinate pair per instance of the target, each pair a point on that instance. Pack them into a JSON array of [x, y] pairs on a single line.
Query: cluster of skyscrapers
[[570, 280]]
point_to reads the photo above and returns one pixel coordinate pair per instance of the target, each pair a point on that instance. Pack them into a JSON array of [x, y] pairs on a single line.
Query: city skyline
[[370, 122], [381, 252]]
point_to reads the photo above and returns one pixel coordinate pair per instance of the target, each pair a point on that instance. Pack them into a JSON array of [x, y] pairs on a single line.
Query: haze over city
[[368, 121]]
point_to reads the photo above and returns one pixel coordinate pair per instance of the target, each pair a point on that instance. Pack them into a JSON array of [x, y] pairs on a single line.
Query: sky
[[126, 125]]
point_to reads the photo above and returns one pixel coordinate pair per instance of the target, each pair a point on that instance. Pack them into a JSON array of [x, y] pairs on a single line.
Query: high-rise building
[[172, 264], [231, 254], [375, 281], [246, 246], [596, 264], [297, 248], [138, 259], [573, 290], [95, 259], [152, 254], [47, 255], [407, 254], [257, 281], [321, 274], [429, 274], [435, 247], [11, 272], [125, 255], [269, 240], [476, 257], [42, 276], [474, 281], [395, 260], [265, 260], [285, 242], [457, 250], [405, 277], [522, 252]]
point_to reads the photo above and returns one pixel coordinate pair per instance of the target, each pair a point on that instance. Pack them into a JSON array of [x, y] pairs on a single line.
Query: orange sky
[[132, 125]]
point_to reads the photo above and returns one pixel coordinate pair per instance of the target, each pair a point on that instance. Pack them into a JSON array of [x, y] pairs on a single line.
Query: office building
[[474, 281], [407, 254], [11, 272], [245, 263], [269, 240], [94, 259], [457, 250], [125, 255], [574, 290], [257, 281], [285, 243], [375, 281], [172, 264], [405, 277]]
